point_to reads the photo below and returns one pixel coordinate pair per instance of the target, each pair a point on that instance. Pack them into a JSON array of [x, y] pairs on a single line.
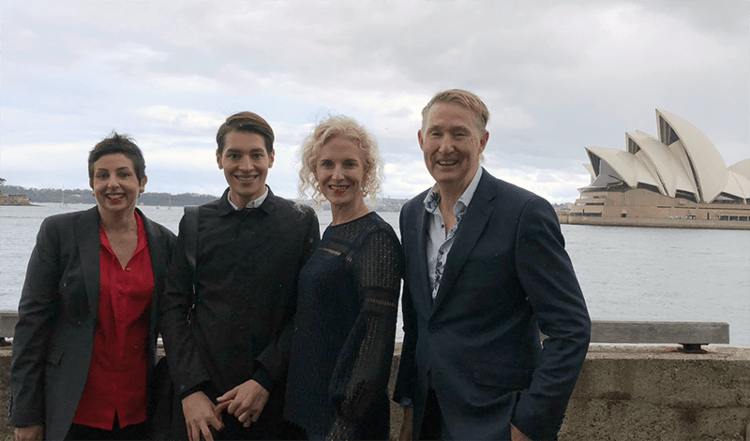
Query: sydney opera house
[[676, 180]]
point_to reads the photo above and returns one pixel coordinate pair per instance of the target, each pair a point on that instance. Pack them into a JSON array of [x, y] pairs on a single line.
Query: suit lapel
[[87, 232], [423, 270], [158, 250], [469, 232]]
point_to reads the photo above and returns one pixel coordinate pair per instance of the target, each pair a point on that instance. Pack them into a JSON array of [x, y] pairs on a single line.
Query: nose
[[446, 145], [338, 173], [246, 163], [113, 180]]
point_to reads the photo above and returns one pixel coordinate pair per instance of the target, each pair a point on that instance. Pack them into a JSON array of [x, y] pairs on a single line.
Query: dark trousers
[[433, 423], [132, 432]]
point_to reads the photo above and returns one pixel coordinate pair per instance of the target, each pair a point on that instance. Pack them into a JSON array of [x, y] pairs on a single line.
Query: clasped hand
[[200, 416], [246, 402]]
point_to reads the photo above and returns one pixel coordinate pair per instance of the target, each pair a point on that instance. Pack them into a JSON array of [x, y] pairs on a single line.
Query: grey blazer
[[57, 314]]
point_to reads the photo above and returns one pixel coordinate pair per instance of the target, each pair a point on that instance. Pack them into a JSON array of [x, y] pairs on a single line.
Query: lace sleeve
[[363, 366]]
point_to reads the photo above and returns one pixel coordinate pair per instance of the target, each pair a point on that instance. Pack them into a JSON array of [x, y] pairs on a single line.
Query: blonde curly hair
[[339, 126]]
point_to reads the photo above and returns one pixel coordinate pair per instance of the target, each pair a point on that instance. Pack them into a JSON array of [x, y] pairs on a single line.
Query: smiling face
[[115, 184], [245, 162], [340, 173], [452, 143]]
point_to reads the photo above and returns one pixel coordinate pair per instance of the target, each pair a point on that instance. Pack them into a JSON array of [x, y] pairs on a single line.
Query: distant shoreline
[[81, 196]]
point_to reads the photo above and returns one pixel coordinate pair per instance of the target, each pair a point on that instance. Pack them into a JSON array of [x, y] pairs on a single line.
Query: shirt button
[[127, 269]]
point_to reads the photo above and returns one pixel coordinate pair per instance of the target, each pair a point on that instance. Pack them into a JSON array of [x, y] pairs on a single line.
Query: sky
[[556, 76]]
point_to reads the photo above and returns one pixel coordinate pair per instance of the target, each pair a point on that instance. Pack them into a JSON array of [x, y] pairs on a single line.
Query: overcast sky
[[558, 76]]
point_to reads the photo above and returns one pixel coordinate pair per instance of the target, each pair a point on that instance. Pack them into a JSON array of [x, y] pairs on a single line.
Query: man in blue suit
[[486, 271]]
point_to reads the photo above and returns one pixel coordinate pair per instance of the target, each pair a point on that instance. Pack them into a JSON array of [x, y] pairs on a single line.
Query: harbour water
[[625, 273]]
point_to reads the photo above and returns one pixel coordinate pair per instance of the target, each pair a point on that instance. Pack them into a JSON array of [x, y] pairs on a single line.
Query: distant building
[[676, 180]]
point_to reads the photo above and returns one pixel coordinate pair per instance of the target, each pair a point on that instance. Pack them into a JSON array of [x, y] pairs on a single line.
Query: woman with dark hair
[[348, 294], [85, 342]]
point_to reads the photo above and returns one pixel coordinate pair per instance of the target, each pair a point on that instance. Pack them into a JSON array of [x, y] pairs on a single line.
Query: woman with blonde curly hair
[[348, 293]]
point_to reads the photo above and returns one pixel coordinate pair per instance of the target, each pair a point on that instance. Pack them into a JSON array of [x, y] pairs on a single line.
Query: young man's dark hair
[[245, 122]]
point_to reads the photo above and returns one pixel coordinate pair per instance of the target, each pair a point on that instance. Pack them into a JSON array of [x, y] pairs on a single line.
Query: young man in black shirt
[[233, 354]]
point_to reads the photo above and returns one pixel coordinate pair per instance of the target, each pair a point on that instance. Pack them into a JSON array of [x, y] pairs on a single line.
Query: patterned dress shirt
[[438, 242]]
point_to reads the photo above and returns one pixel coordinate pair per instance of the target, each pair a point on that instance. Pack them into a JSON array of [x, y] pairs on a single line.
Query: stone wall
[[627, 392]]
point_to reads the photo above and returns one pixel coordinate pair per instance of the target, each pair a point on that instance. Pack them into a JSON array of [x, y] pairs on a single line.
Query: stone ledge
[[631, 331]]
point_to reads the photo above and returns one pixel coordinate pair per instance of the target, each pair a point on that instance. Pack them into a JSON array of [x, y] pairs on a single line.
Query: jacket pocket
[[502, 376]]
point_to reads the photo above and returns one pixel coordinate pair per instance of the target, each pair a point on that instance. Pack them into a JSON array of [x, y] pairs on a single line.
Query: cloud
[[181, 120], [557, 76]]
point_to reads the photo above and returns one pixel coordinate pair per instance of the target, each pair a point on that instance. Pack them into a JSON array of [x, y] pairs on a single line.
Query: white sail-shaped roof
[[681, 162], [708, 169], [666, 166], [742, 168], [590, 169], [611, 166], [737, 186]]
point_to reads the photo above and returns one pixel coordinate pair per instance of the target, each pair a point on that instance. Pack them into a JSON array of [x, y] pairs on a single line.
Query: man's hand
[[31, 433], [245, 401], [517, 435], [200, 417]]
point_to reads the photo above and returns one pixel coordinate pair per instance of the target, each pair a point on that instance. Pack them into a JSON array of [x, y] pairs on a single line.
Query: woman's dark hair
[[116, 143]]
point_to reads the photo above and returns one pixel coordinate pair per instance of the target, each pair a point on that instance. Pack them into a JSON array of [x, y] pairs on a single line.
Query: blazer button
[[433, 329]]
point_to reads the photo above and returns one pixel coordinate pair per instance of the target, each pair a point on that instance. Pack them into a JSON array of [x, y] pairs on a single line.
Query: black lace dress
[[344, 333]]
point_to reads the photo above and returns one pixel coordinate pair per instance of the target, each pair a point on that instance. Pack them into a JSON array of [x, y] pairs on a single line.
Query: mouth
[[116, 197], [338, 189], [245, 178], [447, 163]]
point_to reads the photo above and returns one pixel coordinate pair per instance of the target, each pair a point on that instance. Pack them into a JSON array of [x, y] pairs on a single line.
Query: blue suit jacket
[[57, 314], [507, 277]]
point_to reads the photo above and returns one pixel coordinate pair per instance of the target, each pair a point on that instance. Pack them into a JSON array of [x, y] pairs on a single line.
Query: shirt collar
[[252, 204], [432, 200]]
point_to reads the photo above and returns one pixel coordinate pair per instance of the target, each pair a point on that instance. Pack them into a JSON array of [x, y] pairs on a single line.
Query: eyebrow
[[117, 169], [342, 160], [236, 150], [453, 127]]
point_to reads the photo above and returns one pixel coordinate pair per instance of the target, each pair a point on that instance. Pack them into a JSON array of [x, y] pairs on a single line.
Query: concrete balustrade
[[691, 335], [8, 320]]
